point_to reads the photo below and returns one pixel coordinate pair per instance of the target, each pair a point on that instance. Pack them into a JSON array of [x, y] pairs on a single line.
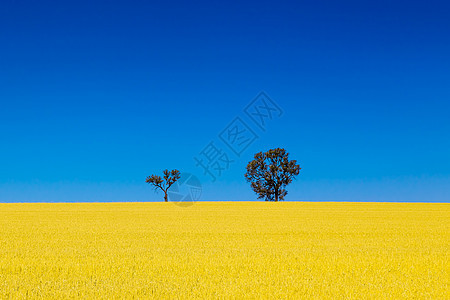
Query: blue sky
[[96, 95]]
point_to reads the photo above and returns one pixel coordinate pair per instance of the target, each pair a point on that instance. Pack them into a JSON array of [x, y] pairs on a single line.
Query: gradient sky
[[96, 95]]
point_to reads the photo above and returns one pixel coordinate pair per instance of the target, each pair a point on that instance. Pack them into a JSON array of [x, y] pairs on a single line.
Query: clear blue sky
[[96, 95]]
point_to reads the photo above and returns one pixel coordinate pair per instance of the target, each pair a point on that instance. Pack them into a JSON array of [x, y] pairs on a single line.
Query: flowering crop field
[[285, 250]]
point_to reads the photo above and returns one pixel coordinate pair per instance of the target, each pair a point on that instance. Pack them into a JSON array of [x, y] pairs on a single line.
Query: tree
[[170, 177], [270, 172]]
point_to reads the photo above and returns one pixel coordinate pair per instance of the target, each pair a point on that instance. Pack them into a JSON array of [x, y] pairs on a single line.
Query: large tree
[[170, 177], [270, 172]]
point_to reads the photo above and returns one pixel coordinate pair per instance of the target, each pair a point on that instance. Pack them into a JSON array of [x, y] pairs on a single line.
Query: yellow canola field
[[224, 250]]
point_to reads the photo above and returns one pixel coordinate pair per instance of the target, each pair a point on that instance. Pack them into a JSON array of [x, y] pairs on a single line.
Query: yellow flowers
[[225, 250]]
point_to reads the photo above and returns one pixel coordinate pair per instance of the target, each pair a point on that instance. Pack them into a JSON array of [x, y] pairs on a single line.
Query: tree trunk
[[276, 195], [165, 196]]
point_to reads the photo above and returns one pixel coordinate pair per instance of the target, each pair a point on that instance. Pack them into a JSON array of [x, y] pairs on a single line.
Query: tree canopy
[[270, 172], [170, 177]]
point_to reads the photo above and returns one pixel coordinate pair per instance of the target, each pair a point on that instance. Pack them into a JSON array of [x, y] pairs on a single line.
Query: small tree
[[170, 177], [270, 172]]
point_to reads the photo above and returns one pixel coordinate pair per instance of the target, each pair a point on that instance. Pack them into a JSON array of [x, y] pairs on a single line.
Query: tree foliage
[[169, 178], [270, 172]]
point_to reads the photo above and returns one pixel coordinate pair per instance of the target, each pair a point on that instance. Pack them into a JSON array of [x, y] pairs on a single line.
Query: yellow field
[[225, 250]]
